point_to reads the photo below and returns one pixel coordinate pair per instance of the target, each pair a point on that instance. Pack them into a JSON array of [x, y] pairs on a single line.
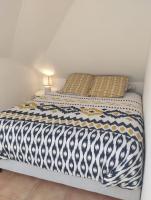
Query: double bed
[[92, 143]]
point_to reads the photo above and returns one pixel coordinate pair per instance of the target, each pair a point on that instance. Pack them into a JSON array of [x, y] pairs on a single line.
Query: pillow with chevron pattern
[[109, 86], [78, 84]]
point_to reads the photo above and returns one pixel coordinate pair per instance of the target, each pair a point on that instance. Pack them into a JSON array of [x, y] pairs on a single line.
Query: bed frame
[[72, 181]]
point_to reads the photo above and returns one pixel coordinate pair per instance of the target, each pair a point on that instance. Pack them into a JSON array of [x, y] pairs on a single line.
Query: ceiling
[[93, 36], [28, 26]]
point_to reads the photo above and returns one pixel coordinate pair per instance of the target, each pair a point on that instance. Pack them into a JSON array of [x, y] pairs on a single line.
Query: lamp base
[[47, 90]]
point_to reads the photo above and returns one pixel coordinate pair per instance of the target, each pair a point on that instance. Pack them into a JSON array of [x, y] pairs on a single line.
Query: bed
[[96, 144]]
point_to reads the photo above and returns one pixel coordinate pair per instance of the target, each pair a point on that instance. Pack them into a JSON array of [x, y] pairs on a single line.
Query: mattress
[[95, 138]]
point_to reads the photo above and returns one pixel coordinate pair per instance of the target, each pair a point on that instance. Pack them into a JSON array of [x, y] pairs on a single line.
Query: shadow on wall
[[17, 83]]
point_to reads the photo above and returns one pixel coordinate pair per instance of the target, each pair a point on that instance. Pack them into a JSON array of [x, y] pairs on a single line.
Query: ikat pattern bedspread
[[96, 138]]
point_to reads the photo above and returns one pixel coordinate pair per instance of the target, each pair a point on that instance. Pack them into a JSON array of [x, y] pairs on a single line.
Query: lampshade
[[47, 81]]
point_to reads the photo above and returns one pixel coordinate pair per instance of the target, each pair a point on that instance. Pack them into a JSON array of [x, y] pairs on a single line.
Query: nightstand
[[40, 93]]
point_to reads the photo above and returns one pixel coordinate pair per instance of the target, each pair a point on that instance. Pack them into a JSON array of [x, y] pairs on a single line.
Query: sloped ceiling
[[37, 24], [92, 36], [103, 37], [9, 12], [28, 26]]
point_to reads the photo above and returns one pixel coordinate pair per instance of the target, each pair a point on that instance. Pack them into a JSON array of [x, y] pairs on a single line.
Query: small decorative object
[[47, 84]]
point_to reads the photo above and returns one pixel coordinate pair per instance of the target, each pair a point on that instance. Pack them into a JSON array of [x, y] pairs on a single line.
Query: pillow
[[78, 84], [109, 86]]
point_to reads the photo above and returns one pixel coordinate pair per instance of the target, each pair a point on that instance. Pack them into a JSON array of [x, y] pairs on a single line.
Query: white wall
[[28, 26], [103, 37], [146, 193], [9, 12], [94, 36], [38, 22], [17, 83]]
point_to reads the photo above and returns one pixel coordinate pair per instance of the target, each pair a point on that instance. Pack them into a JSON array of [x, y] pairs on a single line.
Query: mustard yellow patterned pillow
[[78, 84], [109, 86]]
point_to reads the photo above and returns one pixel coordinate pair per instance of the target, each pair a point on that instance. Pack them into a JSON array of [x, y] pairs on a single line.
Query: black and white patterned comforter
[[96, 138]]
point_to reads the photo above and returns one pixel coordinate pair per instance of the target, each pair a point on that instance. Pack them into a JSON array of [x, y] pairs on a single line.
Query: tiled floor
[[19, 187]]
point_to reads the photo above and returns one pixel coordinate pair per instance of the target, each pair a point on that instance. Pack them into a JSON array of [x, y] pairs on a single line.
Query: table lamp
[[47, 83]]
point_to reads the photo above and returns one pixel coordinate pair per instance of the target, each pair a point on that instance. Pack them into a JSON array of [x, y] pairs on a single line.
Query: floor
[[19, 187]]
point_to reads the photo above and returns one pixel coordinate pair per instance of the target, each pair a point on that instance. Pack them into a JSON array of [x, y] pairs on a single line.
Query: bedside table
[[40, 93]]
